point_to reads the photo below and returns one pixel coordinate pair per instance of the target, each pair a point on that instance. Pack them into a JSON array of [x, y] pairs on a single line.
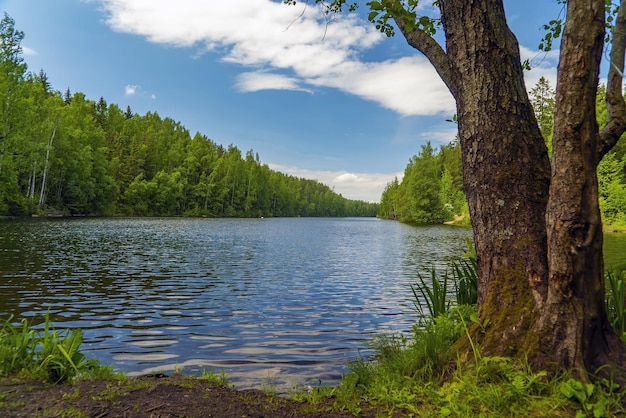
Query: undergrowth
[[48, 355]]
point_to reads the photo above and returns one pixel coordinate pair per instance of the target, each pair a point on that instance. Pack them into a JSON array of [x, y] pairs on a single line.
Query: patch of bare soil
[[149, 396]]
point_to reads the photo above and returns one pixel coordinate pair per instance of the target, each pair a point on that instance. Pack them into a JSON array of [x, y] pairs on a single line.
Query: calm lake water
[[269, 301]]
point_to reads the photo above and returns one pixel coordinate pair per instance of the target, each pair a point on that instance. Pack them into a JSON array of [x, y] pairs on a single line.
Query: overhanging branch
[[427, 45]]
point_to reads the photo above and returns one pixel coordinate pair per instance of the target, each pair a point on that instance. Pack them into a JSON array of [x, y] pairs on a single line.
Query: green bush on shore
[[48, 355]]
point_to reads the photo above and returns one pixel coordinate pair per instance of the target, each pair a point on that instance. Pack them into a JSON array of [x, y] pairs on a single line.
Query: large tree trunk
[[541, 279], [505, 167], [573, 326], [537, 230]]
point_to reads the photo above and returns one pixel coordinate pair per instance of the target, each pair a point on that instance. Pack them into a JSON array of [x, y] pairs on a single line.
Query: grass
[[434, 296], [4, 404], [616, 299], [70, 412], [49, 355], [73, 395], [419, 376], [220, 379]]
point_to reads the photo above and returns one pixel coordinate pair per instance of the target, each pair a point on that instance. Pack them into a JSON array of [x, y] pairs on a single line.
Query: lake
[[270, 301]]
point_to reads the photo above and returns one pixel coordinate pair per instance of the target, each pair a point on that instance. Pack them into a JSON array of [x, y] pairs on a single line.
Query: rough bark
[[505, 169], [573, 325], [615, 104]]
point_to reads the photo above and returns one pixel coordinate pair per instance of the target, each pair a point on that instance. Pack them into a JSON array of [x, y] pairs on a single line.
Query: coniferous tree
[[542, 99]]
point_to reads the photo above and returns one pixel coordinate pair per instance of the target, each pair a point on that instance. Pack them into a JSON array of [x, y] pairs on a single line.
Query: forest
[[63, 154], [431, 190]]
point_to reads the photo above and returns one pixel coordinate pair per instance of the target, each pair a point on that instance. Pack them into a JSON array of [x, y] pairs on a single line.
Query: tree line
[[431, 190], [66, 154]]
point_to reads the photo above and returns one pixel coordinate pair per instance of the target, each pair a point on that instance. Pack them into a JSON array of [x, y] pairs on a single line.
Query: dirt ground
[[149, 396]]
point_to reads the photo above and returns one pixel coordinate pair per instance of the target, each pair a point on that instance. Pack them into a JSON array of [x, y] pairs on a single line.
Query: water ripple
[[286, 300]]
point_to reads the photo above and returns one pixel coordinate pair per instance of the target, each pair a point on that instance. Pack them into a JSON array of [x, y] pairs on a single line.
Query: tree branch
[[427, 45], [615, 105]]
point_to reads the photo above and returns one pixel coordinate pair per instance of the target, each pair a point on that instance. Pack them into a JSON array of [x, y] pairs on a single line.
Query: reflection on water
[[290, 300]]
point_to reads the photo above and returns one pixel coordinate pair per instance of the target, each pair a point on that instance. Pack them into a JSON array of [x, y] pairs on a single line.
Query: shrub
[[51, 355]]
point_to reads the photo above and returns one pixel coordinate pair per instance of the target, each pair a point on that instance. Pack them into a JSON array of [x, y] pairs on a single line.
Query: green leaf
[[375, 5], [599, 410], [409, 24], [567, 391]]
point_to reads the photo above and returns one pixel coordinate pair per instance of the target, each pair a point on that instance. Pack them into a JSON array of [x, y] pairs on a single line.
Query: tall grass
[[433, 297], [616, 300], [465, 277], [433, 294], [49, 355]]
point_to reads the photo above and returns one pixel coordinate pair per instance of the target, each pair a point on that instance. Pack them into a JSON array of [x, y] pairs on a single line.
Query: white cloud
[[348, 178], [442, 135], [408, 86], [543, 64], [131, 89], [358, 186], [255, 81], [29, 51], [301, 41]]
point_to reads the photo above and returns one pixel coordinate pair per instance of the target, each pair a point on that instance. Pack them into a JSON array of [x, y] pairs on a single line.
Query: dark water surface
[[269, 301]]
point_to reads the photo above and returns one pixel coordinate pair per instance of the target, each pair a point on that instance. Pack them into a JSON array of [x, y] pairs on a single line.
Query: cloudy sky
[[326, 99]]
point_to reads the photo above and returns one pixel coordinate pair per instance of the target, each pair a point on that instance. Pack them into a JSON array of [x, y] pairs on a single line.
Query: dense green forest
[[431, 190], [65, 154]]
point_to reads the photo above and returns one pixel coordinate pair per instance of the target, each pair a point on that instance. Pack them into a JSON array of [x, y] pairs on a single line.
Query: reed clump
[[45, 354]]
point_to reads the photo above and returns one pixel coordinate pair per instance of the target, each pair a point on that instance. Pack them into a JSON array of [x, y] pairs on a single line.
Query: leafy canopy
[[383, 11]]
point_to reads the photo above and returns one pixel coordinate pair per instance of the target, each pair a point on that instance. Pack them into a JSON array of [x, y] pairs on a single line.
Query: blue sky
[[332, 101]]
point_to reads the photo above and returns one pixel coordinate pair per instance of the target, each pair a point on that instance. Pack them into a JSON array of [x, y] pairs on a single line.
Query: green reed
[[616, 300], [50, 355]]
